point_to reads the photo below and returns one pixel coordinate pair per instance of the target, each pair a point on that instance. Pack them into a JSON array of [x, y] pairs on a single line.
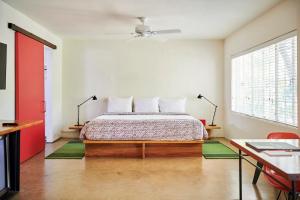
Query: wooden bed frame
[[142, 148]]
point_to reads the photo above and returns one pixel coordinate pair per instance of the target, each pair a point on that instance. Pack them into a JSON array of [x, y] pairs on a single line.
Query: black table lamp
[[200, 97], [78, 106]]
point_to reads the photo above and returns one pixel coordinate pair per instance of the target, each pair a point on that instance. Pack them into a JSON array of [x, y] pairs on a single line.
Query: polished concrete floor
[[124, 178]]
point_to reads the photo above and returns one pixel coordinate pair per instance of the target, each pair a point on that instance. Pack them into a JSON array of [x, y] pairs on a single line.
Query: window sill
[[265, 120]]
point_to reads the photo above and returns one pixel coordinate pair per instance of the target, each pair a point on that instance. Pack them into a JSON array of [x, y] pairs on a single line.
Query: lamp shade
[[199, 96]]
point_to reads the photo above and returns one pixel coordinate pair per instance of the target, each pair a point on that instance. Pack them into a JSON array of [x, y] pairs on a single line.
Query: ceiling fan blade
[[117, 34], [121, 17], [168, 31]]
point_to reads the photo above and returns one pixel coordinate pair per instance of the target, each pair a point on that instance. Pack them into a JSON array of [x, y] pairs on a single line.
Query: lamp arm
[[212, 123], [209, 101], [84, 102], [78, 115], [78, 107]]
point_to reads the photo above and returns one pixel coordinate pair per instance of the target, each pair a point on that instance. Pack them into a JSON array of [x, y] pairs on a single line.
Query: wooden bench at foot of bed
[[142, 148]]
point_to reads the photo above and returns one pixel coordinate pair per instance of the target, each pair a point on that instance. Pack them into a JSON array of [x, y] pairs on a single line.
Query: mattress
[[144, 126]]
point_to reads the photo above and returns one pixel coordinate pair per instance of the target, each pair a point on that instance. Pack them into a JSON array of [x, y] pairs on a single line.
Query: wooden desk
[[10, 138], [21, 125], [287, 166]]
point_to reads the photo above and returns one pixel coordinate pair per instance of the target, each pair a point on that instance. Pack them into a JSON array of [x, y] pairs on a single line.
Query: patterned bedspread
[[144, 126]]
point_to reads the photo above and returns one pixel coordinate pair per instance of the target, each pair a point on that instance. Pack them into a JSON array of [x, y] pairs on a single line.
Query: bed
[[143, 135]]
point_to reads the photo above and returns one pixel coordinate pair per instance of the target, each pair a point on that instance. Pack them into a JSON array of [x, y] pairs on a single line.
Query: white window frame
[[255, 48]]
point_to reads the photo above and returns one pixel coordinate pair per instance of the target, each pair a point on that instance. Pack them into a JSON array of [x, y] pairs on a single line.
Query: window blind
[[264, 81]]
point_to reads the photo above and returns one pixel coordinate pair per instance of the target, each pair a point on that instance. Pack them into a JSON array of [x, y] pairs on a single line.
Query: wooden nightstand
[[76, 127], [210, 128], [71, 132]]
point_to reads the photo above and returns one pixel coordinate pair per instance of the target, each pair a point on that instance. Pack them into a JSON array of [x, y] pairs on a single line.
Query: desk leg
[[14, 161], [293, 193], [240, 175], [259, 166]]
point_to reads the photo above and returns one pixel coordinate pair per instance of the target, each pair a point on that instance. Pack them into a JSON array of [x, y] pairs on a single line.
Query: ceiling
[[205, 19]]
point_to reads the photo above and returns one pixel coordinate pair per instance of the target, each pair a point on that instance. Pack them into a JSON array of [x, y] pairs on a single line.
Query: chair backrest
[[283, 135]]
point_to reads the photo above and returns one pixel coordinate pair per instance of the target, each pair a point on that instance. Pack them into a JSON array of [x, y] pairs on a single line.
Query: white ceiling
[[205, 19]]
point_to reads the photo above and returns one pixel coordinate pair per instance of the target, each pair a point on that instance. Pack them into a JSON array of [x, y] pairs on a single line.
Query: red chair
[[283, 135], [280, 135]]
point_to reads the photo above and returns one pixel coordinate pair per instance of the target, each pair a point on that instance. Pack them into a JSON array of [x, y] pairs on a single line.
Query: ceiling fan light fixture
[[142, 30]]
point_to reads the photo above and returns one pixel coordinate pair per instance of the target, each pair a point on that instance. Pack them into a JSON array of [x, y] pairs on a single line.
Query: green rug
[[217, 150], [71, 150]]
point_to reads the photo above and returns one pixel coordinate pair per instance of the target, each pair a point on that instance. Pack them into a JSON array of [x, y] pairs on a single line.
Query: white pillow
[[172, 105], [116, 104], [146, 104]]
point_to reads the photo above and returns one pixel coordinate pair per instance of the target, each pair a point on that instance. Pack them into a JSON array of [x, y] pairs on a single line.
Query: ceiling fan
[[143, 30]]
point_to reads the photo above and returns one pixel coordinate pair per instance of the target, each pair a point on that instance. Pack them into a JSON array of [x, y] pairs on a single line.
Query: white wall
[[7, 97], [298, 17], [277, 21], [142, 68]]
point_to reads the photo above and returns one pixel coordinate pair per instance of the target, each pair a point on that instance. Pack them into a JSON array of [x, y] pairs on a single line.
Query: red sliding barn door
[[30, 93]]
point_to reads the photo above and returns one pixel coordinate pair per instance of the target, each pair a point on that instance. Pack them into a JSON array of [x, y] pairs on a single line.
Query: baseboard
[[53, 139]]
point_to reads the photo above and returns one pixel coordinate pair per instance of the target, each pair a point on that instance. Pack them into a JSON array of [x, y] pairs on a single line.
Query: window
[[264, 81]]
